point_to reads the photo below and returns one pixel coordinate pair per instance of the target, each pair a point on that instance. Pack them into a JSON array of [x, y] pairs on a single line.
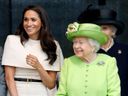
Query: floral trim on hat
[[73, 27]]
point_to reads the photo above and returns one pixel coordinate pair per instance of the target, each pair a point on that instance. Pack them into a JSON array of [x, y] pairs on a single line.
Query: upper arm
[[62, 90], [113, 79]]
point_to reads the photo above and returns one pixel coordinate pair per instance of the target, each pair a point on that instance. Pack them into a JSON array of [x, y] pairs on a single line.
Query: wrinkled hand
[[32, 61]]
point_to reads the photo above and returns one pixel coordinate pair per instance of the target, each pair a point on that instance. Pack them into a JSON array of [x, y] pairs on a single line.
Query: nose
[[29, 23]]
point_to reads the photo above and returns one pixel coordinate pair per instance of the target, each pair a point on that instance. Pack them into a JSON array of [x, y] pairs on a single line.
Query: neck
[[108, 44], [90, 58]]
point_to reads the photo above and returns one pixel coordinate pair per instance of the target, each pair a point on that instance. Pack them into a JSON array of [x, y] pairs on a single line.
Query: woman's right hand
[[33, 61]]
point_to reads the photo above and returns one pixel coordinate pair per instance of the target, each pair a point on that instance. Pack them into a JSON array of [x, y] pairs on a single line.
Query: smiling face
[[82, 47], [32, 24]]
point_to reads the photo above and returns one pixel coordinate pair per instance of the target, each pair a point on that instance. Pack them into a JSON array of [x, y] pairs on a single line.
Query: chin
[[78, 55]]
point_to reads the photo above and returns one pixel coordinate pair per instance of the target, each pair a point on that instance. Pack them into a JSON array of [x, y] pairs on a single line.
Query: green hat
[[89, 30]]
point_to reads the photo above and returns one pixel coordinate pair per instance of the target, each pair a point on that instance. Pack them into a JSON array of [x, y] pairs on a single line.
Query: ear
[[114, 34], [114, 30]]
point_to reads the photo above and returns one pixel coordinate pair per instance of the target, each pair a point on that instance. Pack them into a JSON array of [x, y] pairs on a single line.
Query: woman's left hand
[[32, 61]]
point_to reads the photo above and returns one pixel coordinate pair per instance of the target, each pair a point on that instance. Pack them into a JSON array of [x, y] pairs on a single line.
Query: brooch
[[119, 52], [101, 63]]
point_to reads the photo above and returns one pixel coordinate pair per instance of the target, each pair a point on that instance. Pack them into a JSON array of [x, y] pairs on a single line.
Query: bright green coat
[[100, 78]]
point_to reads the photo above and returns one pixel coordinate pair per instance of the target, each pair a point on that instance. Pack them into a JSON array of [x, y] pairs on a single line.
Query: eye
[[81, 42], [25, 19], [104, 28], [34, 19], [74, 42]]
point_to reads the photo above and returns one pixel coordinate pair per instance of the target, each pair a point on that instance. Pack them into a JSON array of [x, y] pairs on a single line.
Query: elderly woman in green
[[88, 73]]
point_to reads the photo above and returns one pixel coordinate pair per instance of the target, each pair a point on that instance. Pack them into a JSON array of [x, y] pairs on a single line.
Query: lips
[[78, 51], [30, 29]]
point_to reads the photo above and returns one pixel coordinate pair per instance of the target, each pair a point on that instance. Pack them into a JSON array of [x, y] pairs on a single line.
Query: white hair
[[95, 44], [114, 30]]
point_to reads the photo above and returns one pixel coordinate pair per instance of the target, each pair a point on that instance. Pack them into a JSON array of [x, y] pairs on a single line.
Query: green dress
[[99, 78]]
